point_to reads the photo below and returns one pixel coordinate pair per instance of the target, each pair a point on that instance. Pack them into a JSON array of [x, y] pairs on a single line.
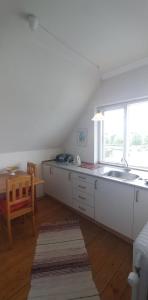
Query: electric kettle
[[78, 160]]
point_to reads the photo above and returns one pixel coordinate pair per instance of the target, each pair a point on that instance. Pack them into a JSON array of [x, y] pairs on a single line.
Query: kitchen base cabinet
[[64, 186], [46, 174], [119, 206], [140, 210], [83, 194], [83, 208], [114, 206], [58, 183], [50, 178]]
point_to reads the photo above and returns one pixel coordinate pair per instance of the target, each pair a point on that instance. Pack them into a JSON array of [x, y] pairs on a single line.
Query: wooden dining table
[[7, 174]]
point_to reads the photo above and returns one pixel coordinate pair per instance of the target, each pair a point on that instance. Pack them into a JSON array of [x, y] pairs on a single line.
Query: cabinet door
[[114, 205], [140, 210], [46, 177], [49, 175], [63, 185]]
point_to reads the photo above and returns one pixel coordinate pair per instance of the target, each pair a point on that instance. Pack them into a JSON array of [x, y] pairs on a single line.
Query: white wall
[[41, 82], [127, 86], [21, 158], [86, 153]]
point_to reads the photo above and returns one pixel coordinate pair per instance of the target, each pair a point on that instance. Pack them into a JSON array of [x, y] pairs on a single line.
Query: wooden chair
[[32, 170], [19, 201]]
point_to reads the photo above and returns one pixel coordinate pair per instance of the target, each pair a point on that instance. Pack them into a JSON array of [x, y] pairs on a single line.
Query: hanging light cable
[[34, 24]]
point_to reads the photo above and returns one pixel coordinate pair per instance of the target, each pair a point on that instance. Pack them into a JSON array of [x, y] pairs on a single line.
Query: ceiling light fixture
[[98, 116], [33, 22]]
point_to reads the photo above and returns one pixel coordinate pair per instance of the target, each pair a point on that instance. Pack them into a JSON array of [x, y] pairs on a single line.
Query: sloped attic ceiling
[[44, 86]]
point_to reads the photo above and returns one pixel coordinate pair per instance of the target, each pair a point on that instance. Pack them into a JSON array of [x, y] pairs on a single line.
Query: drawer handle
[[81, 197], [82, 187], [137, 195], [81, 208], [81, 177], [96, 184], [50, 171]]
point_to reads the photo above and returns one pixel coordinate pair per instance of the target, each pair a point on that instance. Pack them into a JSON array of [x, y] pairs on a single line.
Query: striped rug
[[61, 269]]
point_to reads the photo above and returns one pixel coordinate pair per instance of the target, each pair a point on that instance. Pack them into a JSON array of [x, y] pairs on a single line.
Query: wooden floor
[[110, 256]]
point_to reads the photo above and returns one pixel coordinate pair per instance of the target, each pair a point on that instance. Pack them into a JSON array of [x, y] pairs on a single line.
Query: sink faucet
[[124, 161]]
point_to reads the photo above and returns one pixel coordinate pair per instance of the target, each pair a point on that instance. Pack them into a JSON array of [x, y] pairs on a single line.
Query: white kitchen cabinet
[[64, 186], [114, 205], [83, 193], [58, 183], [50, 177], [119, 206], [83, 208], [140, 210], [46, 173]]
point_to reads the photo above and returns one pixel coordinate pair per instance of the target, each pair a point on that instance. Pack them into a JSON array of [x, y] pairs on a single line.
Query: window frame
[[123, 105]]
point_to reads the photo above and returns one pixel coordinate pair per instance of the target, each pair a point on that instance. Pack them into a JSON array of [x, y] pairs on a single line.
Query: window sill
[[123, 166]]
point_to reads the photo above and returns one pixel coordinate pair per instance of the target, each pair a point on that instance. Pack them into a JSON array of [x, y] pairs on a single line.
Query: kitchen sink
[[121, 175]]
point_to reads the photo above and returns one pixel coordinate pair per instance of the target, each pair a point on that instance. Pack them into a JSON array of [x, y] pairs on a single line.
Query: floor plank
[[110, 257]]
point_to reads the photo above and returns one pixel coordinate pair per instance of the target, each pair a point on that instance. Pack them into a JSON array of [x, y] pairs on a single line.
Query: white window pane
[[113, 135], [138, 134]]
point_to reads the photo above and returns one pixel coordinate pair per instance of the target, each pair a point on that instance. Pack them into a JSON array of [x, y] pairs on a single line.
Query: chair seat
[[14, 207]]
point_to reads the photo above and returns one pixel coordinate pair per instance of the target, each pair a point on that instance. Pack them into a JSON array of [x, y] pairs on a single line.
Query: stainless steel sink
[[121, 175]]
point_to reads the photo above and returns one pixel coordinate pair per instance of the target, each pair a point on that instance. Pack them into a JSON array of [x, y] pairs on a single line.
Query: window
[[137, 153], [124, 133], [113, 138]]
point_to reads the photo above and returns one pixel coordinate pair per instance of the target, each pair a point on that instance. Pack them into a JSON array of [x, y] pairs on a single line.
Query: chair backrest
[[31, 168], [19, 190]]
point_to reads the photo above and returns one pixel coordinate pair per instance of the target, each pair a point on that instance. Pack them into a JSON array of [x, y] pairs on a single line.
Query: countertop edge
[[96, 173]]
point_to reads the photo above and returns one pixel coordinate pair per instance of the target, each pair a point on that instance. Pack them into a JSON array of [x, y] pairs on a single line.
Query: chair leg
[[9, 232], [33, 223], [35, 201]]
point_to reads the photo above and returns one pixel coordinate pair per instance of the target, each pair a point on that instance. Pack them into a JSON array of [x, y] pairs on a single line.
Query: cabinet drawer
[[83, 177], [84, 197], [84, 187], [85, 209]]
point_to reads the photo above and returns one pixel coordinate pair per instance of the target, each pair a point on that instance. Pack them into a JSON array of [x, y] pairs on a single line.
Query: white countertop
[[99, 172]]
